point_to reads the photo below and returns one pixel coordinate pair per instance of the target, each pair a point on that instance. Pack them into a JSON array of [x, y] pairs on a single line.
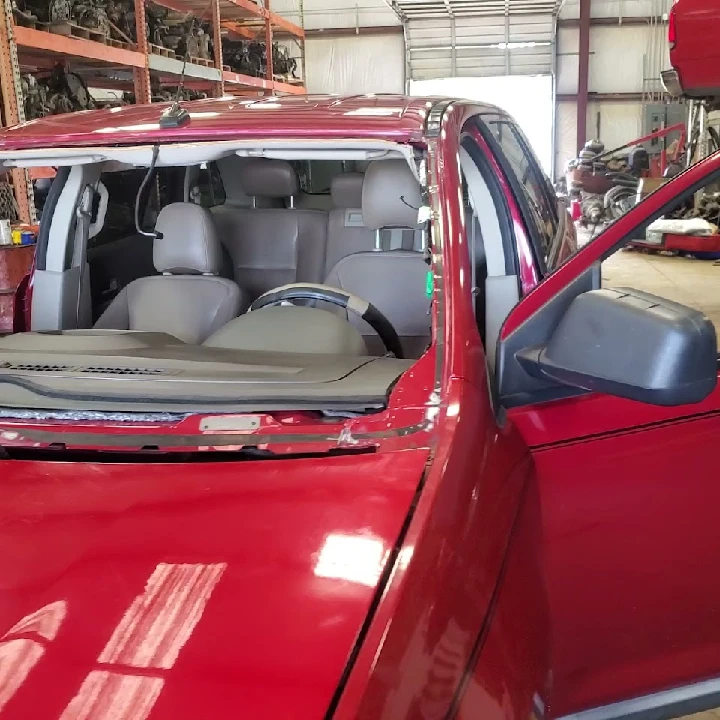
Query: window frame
[[532, 218]]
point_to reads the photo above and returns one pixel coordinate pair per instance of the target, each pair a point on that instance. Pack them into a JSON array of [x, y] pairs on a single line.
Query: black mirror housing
[[630, 344]]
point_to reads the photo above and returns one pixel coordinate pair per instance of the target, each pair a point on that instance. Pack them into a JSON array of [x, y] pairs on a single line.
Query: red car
[[692, 33], [367, 439]]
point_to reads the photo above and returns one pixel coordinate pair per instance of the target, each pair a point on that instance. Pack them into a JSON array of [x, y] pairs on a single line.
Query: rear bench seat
[[270, 247], [274, 246]]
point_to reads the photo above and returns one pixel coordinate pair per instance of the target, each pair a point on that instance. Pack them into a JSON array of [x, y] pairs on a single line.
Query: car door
[[629, 495]]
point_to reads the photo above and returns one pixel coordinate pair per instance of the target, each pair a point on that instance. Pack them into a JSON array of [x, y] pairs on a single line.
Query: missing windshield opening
[[58, 452]]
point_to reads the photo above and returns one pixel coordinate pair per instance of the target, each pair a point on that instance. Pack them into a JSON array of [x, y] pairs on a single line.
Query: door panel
[[593, 415], [631, 544], [628, 495]]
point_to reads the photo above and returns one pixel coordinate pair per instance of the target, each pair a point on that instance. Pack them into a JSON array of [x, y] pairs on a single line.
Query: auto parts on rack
[[248, 57], [60, 92]]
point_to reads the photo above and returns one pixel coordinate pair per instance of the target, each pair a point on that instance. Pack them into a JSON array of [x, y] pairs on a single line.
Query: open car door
[[615, 392]]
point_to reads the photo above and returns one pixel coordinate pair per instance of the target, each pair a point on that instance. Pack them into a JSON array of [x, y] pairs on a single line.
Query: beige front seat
[[347, 233], [188, 300], [271, 247], [393, 281]]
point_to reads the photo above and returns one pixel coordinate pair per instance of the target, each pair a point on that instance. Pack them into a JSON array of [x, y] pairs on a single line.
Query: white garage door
[[479, 38]]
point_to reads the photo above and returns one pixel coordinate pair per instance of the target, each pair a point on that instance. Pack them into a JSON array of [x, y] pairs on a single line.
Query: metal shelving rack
[[111, 66]]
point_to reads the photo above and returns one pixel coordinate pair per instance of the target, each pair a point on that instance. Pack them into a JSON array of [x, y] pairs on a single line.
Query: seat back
[[188, 300], [347, 232], [395, 280], [270, 247]]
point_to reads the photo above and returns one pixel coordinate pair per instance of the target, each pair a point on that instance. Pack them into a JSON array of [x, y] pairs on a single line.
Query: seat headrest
[[188, 244], [346, 190], [265, 177], [391, 195]]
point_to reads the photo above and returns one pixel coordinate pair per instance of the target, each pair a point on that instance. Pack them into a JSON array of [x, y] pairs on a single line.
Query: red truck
[[693, 27], [364, 437]]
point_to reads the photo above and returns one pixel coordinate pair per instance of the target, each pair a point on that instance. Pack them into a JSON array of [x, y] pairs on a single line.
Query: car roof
[[388, 117]]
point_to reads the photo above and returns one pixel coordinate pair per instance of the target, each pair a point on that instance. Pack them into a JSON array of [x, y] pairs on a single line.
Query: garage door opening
[[529, 99]]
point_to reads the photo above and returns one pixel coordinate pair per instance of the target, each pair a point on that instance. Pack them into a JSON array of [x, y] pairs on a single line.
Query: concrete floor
[[695, 283]]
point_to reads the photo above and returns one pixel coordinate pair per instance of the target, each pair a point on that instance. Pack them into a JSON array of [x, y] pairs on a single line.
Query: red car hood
[[203, 590]]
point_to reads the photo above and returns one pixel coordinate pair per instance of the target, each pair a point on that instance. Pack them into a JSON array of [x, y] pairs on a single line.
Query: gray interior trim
[[54, 300], [487, 212], [63, 218], [664, 705], [501, 296]]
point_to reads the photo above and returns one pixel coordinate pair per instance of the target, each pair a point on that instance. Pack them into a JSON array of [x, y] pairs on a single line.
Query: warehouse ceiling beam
[[350, 32]]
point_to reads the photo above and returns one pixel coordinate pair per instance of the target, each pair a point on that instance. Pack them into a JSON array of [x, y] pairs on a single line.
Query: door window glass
[[676, 257], [539, 198]]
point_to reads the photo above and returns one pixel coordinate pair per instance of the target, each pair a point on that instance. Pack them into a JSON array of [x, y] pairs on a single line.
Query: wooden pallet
[[201, 61], [160, 50], [120, 44], [288, 79], [72, 30]]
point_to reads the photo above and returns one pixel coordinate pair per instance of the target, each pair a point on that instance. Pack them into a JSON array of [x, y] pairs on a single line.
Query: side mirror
[[632, 345]]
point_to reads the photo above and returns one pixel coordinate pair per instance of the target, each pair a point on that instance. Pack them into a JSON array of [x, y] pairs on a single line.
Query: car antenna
[[176, 115]]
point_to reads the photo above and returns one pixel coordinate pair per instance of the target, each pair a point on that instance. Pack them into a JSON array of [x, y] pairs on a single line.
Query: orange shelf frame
[[248, 81], [288, 88], [77, 47], [245, 32], [285, 26]]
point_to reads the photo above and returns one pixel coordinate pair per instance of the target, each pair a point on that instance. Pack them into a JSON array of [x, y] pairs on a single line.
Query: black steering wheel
[[366, 310]]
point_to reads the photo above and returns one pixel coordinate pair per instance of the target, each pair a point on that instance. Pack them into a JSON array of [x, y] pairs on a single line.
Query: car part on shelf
[[61, 92], [60, 11], [249, 58], [166, 94], [121, 18], [183, 34]]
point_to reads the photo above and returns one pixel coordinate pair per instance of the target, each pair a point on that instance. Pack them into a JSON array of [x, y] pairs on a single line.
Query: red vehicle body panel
[[383, 117], [252, 577], [544, 560], [694, 52], [627, 492]]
